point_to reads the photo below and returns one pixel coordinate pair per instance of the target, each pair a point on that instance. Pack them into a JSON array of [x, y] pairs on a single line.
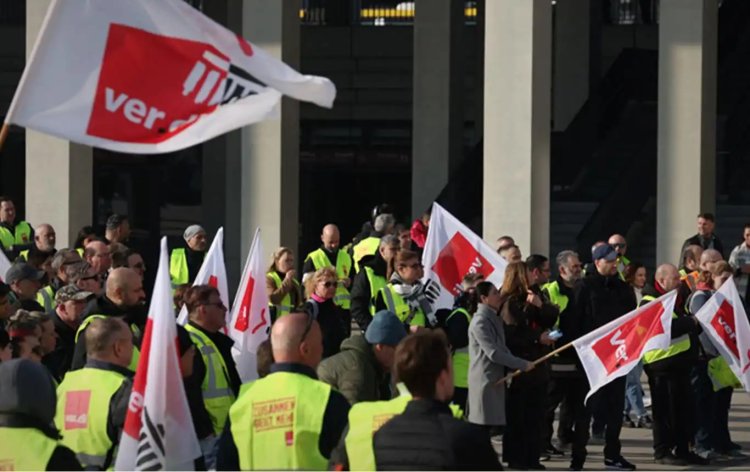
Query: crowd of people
[[361, 371]]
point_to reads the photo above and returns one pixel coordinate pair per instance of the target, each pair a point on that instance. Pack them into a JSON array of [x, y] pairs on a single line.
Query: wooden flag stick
[[4, 134], [536, 362]]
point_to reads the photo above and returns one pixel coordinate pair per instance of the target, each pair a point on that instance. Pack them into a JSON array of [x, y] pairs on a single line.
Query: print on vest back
[[275, 414], [77, 409], [457, 259]]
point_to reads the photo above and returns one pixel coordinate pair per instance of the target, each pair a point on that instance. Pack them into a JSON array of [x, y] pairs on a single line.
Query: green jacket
[[355, 372]]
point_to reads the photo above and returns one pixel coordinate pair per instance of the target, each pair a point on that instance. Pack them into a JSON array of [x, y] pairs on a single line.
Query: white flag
[[250, 318], [724, 319], [158, 432], [614, 349], [4, 265], [144, 76], [213, 272], [452, 251]]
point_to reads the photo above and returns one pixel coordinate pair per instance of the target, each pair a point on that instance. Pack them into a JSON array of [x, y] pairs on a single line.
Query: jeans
[[634, 393], [608, 402]]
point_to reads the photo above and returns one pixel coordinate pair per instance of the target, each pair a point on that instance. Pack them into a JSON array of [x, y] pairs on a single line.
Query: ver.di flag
[[158, 432], [145, 76], [452, 251], [724, 319], [613, 350], [250, 318]]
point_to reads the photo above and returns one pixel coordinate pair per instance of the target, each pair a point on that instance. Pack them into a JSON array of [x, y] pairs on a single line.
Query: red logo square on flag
[[77, 409], [723, 323], [456, 259]]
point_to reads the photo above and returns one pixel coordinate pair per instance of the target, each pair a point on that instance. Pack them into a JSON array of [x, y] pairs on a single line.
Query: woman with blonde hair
[[405, 295], [284, 291], [335, 322]]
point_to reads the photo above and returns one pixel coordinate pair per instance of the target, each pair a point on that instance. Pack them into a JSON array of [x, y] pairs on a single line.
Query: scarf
[[414, 295]]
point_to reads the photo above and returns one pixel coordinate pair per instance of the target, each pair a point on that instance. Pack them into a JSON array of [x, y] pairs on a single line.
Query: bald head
[[45, 237], [709, 258], [296, 337], [330, 237], [667, 277], [618, 242], [124, 287]]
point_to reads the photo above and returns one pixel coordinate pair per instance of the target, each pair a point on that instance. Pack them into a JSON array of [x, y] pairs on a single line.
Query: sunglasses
[[330, 284], [619, 245]]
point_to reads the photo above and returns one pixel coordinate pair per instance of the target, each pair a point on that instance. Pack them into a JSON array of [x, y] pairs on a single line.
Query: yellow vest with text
[[22, 235], [133, 329], [676, 346], [460, 356], [217, 392], [178, 268], [365, 418], [343, 267], [366, 247], [285, 307], [376, 284], [276, 423], [25, 449], [83, 400], [557, 298], [46, 298], [396, 304]]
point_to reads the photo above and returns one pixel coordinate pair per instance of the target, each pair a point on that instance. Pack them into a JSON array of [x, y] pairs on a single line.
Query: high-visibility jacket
[[83, 400], [622, 263], [366, 247], [460, 356], [343, 267], [25, 449], [178, 267], [376, 284], [557, 298], [277, 420], [676, 346], [285, 307], [22, 235], [721, 374], [217, 392], [691, 280], [396, 304], [133, 328], [46, 297]]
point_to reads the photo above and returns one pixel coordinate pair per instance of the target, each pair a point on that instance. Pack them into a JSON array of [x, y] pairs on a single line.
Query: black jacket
[[426, 436], [224, 344], [58, 361], [713, 242], [194, 262], [333, 321], [601, 299], [104, 306], [572, 326], [360, 292], [334, 421]]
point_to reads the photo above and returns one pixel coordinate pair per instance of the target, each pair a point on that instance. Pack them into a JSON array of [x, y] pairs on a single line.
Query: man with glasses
[[83, 276], [62, 259], [618, 242], [288, 419]]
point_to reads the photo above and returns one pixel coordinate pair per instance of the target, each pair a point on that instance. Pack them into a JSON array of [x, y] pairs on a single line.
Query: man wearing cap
[[117, 229], [185, 262], [25, 282], [83, 276], [70, 302], [360, 371], [603, 297], [14, 236], [64, 257]]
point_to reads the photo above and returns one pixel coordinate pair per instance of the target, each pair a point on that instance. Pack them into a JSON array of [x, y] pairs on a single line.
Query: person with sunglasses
[[288, 419], [335, 322], [618, 242], [83, 276]]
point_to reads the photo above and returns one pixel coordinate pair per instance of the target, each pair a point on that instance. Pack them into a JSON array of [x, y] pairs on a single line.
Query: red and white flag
[[452, 251], [250, 318], [144, 76], [724, 319], [4, 265], [213, 272], [158, 432], [614, 349]]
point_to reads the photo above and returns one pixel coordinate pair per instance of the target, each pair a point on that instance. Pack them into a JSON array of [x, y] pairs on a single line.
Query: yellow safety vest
[[676, 346], [376, 284], [22, 235], [46, 298], [721, 374], [217, 392], [365, 419], [277, 420], [133, 328], [25, 449], [83, 400], [343, 267], [460, 357], [366, 247], [24, 255], [178, 267], [557, 298], [396, 304], [285, 307], [622, 263]]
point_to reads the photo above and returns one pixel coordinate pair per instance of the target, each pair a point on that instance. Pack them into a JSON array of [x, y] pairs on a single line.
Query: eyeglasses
[[619, 245], [330, 284]]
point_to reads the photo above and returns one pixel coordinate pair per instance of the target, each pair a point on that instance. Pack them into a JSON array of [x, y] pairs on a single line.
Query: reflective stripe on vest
[[676, 346], [343, 267], [22, 235], [285, 307], [557, 298], [133, 329], [24, 255], [622, 263], [83, 400], [217, 394], [178, 268], [366, 247], [460, 357], [365, 419], [396, 304], [691, 280], [277, 420], [25, 449], [376, 284], [46, 298], [721, 374]]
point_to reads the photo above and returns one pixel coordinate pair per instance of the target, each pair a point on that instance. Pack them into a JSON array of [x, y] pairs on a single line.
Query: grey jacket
[[488, 358]]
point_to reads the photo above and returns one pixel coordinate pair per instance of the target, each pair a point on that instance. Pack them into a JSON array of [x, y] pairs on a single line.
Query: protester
[[284, 291], [418, 231], [70, 304], [14, 236], [383, 225], [25, 333], [83, 276], [504, 242], [99, 256], [511, 253], [329, 254], [690, 260], [335, 322], [405, 294], [264, 358], [62, 259], [85, 235], [618, 242], [117, 229], [635, 276], [24, 282], [371, 279], [739, 259], [185, 262], [706, 238]]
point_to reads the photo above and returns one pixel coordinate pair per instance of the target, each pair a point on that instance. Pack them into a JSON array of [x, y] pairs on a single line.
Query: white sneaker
[[647, 402]]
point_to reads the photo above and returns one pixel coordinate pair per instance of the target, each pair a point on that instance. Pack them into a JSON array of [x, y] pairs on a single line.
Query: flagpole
[[4, 134], [536, 362]]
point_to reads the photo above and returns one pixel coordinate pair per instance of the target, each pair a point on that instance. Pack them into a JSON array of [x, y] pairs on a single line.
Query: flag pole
[[537, 362]]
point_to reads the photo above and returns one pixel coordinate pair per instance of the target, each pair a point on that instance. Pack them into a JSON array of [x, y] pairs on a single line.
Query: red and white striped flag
[[250, 318], [614, 349], [724, 319], [158, 432]]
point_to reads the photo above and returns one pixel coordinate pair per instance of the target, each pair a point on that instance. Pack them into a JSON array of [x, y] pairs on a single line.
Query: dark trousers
[[703, 398], [559, 394], [524, 414], [460, 396], [608, 402], [672, 407], [722, 402]]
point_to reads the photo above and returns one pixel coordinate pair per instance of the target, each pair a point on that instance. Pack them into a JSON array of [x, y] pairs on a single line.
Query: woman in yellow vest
[[405, 295], [284, 291]]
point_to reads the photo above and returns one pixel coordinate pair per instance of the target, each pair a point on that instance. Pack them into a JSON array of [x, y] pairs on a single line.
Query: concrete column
[[517, 82], [437, 142], [571, 61], [687, 121], [59, 174]]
